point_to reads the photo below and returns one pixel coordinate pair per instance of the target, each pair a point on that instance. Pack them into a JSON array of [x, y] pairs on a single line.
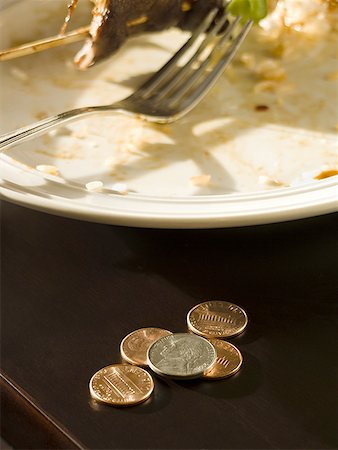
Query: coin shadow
[[158, 400], [248, 336], [243, 383]]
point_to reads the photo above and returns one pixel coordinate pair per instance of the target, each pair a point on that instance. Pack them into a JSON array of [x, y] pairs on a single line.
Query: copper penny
[[217, 319], [135, 346], [228, 360], [121, 385]]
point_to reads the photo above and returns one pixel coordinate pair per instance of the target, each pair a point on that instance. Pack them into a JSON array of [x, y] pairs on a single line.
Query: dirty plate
[[256, 151]]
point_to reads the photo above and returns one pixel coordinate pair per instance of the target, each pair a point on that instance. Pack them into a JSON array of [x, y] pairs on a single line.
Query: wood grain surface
[[70, 291]]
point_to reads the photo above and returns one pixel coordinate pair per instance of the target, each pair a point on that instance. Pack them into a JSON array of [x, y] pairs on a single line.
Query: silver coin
[[181, 355]]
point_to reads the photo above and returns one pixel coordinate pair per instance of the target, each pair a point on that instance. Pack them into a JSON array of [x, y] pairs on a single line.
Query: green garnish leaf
[[249, 9]]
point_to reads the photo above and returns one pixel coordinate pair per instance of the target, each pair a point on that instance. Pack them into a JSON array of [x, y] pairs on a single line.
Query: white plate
[[223, 165]]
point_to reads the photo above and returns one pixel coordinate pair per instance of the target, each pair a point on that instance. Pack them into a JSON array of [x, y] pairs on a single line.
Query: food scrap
[[262, 108], [19, 74], [201, 180], [48, 169], [270, 182], [120, 188], [114, 21], [94, 186], [327, 174]]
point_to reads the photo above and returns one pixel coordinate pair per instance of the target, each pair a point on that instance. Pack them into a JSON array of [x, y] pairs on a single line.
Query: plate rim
[[267, 213]]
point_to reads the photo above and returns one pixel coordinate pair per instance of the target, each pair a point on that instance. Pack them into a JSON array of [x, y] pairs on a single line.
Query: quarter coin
[[217, 319], [228, 362], [121, 385], [181, 355], [135, 346]]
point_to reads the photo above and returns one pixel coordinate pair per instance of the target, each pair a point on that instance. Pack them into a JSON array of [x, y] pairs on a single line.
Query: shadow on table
[[283, 275], [243, 383]]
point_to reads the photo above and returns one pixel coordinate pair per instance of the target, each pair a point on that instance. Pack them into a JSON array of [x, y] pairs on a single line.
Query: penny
[[135, 346], [228, 361], [217, 319], [121, 385], [181, 355]]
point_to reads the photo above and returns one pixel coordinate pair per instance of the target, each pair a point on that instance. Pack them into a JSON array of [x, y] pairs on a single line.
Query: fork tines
[[209, 50]]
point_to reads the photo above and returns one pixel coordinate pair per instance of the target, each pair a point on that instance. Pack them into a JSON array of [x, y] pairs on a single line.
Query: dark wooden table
[[72, 290]]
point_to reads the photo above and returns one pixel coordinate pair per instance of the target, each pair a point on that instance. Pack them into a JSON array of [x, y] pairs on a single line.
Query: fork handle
[[43, 126]]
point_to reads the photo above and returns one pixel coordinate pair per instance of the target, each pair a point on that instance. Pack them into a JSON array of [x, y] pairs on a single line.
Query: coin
[[181, 355], [134, 347], [217, 319], [228, 362], [121, 385]]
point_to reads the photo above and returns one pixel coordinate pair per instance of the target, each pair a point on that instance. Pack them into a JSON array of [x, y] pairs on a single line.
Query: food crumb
[[270, 69], [50, 170], [41, 115], [267, 181], [94, 186], [265, 86], [109, 162], [261, 108], [248, 60], [326, 174], [80, 135], [121, 188], [309, 177], [201, 180], [60, 131], [19, 74]]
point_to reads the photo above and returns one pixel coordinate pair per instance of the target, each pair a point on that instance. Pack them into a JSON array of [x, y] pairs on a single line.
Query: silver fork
[[171, 92]]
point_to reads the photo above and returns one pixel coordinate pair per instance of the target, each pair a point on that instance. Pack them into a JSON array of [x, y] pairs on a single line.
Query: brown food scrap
[[40, 115], [261, 108], [327, 174], [115, 20]]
